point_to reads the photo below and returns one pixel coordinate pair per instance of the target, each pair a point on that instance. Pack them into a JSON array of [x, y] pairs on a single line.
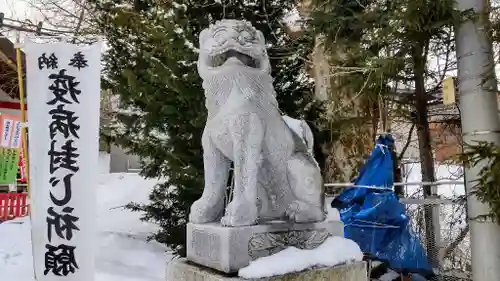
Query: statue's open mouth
[[219, 60]]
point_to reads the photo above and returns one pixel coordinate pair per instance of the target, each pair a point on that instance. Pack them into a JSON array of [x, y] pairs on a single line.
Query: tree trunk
[[425, 150], [346, 152]]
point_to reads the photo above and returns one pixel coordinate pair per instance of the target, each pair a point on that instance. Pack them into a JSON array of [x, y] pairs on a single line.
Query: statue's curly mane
[[236, 85]]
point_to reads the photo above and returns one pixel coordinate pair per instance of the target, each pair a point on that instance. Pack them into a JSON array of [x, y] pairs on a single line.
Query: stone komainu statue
[[275, 174]]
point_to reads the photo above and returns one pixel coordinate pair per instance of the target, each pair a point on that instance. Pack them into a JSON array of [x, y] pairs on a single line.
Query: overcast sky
[[16, 9], [25, 10]]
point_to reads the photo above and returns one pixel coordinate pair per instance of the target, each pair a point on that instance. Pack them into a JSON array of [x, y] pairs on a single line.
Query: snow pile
[[123, 252], [15, 250], [334, 251], [294, 124], [302, 130], [443, 173], [104, 162], [389, 276]]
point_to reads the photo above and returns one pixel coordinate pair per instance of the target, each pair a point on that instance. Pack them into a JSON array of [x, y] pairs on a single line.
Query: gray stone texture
[[183, 270], [229, 249], [275, 173]]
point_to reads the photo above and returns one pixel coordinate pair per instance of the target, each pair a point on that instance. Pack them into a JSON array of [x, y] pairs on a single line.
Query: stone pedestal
[[182, 270], [229, 249]]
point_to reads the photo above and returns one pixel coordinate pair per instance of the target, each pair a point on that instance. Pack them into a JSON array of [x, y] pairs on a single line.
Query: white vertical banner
[[63, 89]]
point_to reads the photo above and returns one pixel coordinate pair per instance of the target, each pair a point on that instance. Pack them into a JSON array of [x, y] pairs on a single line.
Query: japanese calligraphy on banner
[[63, 88], [10, 148]]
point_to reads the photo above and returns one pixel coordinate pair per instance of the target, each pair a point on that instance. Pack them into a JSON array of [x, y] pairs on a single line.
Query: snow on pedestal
[[182, 270], [334, 251]]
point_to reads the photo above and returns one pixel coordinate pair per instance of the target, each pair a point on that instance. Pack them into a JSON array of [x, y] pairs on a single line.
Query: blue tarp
[[375, 219]]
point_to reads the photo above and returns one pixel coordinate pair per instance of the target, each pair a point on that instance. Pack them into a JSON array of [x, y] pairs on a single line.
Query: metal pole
[[23, 117], [480, 121]]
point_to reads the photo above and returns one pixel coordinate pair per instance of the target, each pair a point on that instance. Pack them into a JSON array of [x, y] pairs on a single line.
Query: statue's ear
[[203, 36], [266, 66]]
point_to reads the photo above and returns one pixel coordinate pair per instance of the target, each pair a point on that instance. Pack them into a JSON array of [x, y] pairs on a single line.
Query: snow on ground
[[443, 173], [123, 252], [332, 214], [389, 276], [449, 213], [334, 251], [125, 255], [452, 217]]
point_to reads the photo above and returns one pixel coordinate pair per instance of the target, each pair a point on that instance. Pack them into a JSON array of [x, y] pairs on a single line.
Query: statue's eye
[[246, 35], [220, 36]]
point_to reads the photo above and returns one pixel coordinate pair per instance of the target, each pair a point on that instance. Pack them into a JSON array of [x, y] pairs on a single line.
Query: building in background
[[446, 132], [9, 87]]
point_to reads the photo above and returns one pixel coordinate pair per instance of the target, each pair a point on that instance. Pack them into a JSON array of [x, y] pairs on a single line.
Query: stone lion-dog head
[[233, 56]]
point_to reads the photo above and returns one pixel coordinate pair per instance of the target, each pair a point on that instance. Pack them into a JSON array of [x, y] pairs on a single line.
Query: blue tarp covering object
[[375, 219]]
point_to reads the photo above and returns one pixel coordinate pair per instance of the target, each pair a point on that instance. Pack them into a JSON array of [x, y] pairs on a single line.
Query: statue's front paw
[[203, 211], [240, 214], [302, 212]]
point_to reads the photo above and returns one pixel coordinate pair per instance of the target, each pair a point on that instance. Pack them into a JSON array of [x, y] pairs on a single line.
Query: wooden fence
[[13, 205]]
